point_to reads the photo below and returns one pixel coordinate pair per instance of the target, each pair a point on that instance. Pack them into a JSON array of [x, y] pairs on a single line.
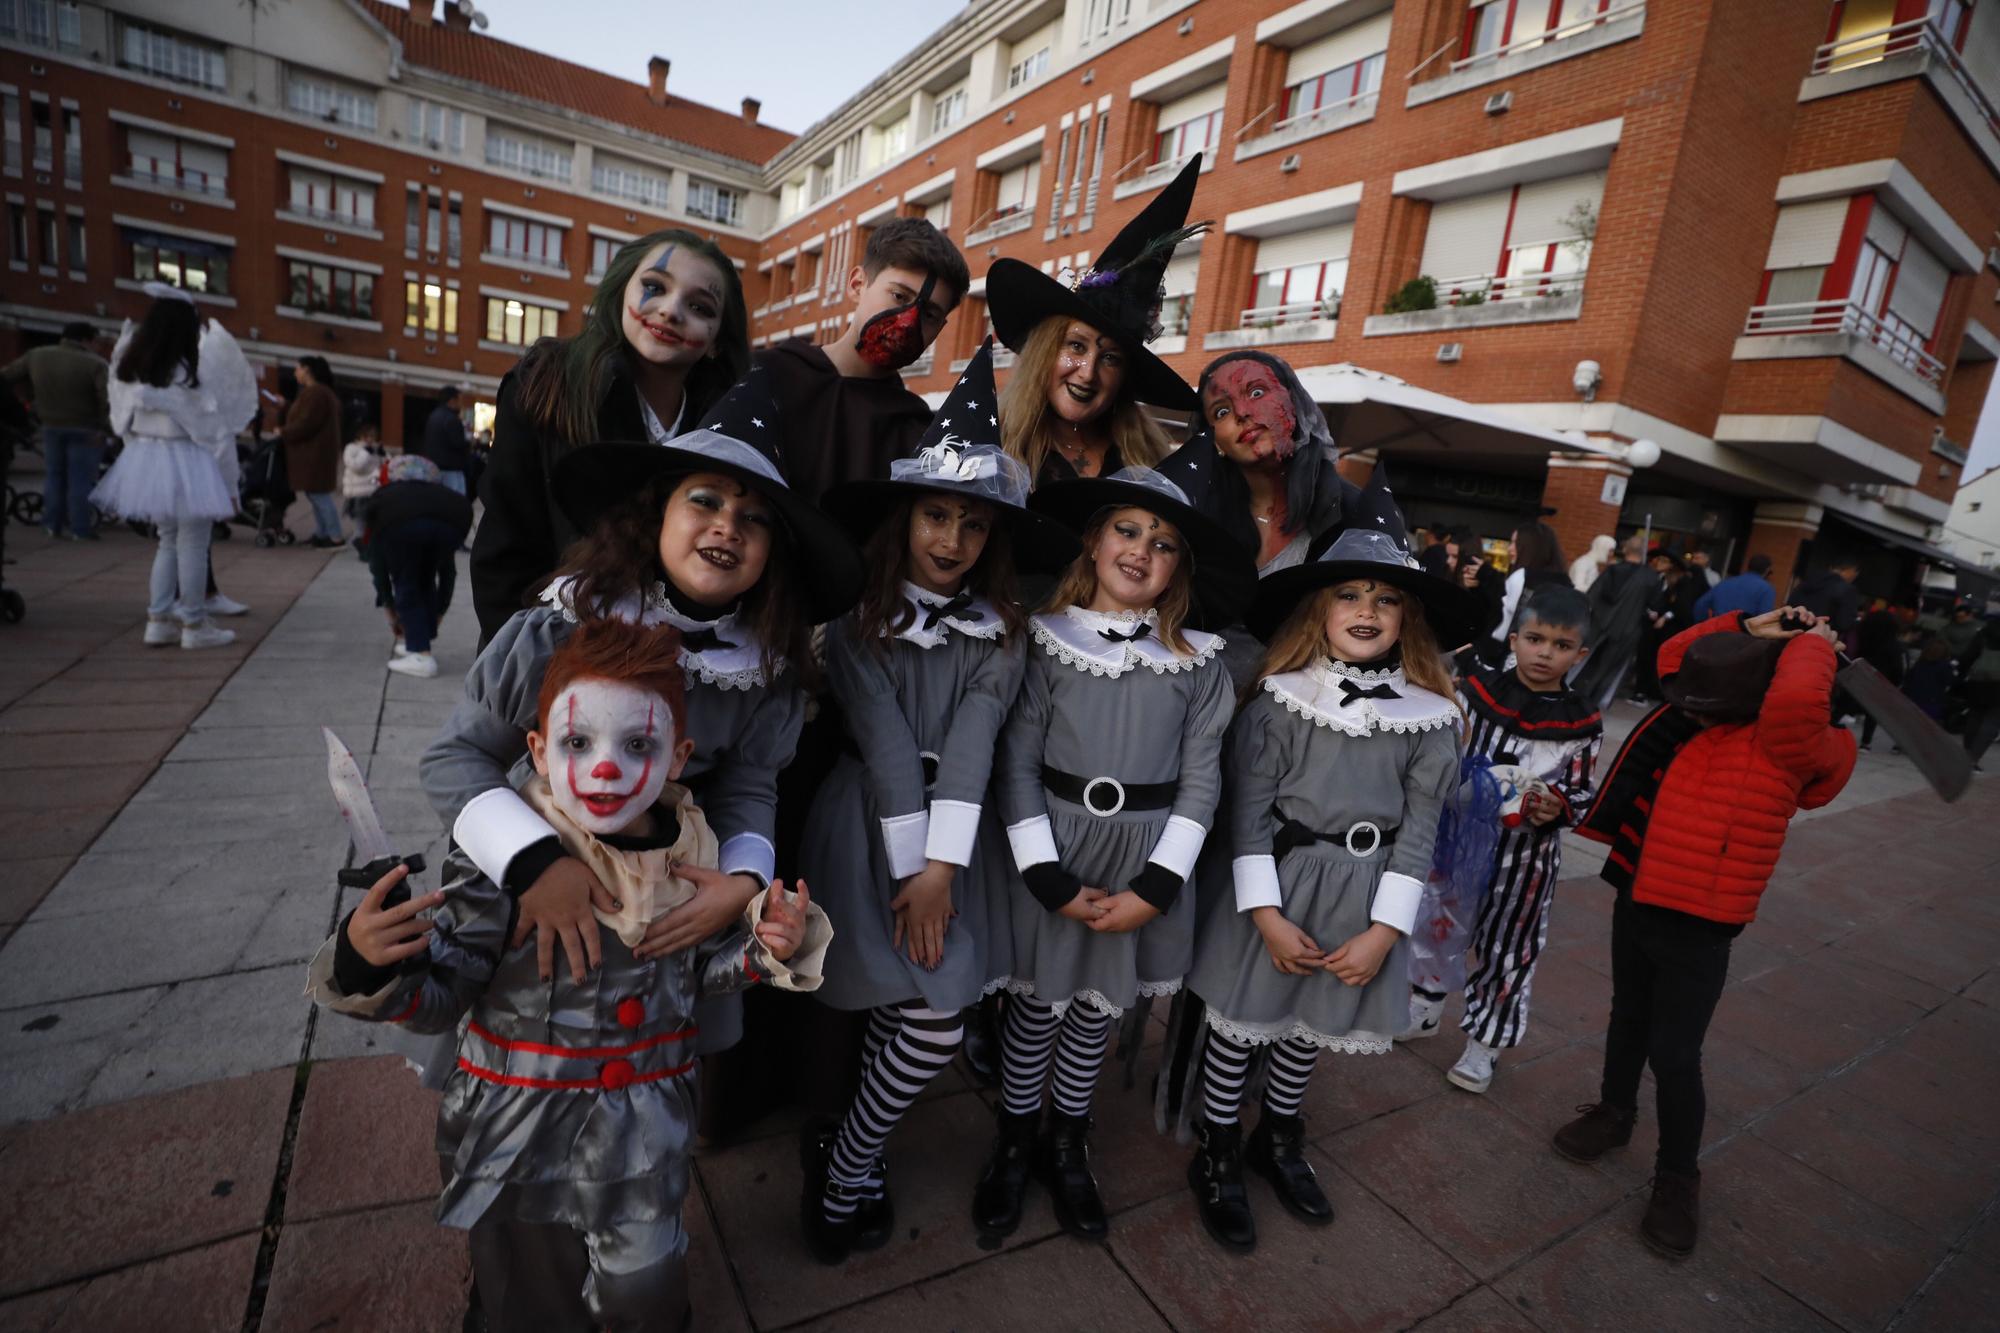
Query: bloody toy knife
[[373, 857]]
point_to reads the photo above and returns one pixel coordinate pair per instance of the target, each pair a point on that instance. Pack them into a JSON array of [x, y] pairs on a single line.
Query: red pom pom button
[[616, 1074], [631, 1012]]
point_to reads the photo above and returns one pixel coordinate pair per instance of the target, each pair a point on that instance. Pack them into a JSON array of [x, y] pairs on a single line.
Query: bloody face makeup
[[1250, 412], [899, 316], [610, 749], [673, 306], [1364, 619], [1135, 557], [1088, 373], [715, 538], [947, 535]]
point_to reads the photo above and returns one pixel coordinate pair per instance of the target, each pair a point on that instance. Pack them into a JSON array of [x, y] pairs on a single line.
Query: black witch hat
[[738, 438], [1372, 543], [960, 453], [1120, 295]]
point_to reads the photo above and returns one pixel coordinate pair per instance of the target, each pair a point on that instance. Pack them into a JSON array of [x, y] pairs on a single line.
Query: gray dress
[[1299, 754], [935, 696], [1140, 713]]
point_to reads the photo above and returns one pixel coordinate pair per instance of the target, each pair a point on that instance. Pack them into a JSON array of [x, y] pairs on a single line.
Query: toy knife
[[373, 856]]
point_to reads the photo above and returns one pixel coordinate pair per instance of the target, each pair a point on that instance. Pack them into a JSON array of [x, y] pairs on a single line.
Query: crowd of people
[[816, 735]]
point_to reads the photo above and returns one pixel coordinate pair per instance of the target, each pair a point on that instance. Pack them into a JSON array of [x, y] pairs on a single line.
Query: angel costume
[[567, 1126]]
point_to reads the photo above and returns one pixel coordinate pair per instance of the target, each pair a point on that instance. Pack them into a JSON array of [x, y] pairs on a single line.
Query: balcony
[[1356, 110], [1006, 224], [1483, 299], [1838, 328], [1911, 49], [1156, 174], [526, 263], [205, 188], [1292, 322], [73, 165], [1620, 23], [352, 223]]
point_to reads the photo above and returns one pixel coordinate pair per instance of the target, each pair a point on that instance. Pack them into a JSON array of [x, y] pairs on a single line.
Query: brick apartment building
[[1760, 236]]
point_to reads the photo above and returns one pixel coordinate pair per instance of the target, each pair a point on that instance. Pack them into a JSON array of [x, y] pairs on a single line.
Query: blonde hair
[[1302, 640], [1078, 584], [1028, 424]]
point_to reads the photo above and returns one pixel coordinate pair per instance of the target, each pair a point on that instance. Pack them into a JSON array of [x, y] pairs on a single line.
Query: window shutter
[[205, 158], [1919, 290], [1305, 247], [1885, 231], [143, 143], [1807, 235], [1542, 212], [1464, 236], [1181, 273], [1198, 103], [1350, 44]]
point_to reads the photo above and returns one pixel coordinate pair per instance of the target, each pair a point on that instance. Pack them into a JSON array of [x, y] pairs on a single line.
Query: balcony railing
[[73, 165], [1920, 34], [524, 259], [1841, 316], [1480, 287], [326, 215], [919, 367], [1005, 224], [1563, 32], [1291, 312], [167, 180], [1156, 173]]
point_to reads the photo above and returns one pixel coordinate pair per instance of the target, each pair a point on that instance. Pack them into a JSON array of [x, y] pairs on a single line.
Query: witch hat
[[738, 438], [1120, 295], [1372, 542], [960, 453]]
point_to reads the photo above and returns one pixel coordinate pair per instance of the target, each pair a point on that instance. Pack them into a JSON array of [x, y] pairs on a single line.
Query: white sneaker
[[1425, 1016], [205, 635], [400, 650], [222, 604], [421, 665], [1474, 1070], [162, 631]]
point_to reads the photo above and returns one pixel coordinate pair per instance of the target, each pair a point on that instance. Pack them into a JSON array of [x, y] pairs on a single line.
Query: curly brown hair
[[884, 611], [1078, 584]]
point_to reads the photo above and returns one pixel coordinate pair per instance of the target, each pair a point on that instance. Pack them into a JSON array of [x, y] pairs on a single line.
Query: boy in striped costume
[[1522, 715]]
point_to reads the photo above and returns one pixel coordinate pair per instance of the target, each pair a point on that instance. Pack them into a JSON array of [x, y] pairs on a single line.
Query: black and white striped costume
[[1556, 737]]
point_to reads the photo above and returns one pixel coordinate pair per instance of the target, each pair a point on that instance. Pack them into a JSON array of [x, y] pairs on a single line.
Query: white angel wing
[[230, 385], [123, 395]]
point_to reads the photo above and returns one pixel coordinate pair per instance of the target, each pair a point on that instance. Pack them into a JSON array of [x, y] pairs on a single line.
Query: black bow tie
[[1139, 631], [958, 608], [1349, 692], [703, 641]]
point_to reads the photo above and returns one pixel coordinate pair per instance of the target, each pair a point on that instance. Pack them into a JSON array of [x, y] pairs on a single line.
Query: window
[[322, 289], [1177, 304], [792, 197], [715, 203], [10, 130], [1850, 265], [45, 134], [431, 224], [516, 323], [197, 266], [430, 308], [42, 23], [1515, 241], [1300, 276], [1016, 190], [327, 99], [602, 248], [530, 242], [822, 180], [1496, 26], [628, 180], [17, 233], [1189, 124], [168, 55], [1951, 18], [78, 250], [847, 158], [889, 142], [329, 198], [180, 164], [439, 127], [1028, 68], [526, 153], [1336, 71], [72, 146], [1335, 89], [1104, 15], [937, 213], [46, 218], [948, 110]]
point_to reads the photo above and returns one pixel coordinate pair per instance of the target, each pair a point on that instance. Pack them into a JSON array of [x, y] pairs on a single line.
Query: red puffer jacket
[[1718, 822]]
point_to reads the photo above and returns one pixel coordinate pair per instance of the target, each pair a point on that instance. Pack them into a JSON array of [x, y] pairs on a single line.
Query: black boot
[[1216, 1177], [875, 1218], [1277, 1152], [1596, 1132], [1065, 1168], [996, 1204], [982, 1041], [829, 1241], [1673, 1218]]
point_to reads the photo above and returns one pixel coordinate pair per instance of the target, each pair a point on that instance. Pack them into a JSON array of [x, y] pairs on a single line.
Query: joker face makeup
[[673, 307], [715, 538], [1251, 414], [609, 750]]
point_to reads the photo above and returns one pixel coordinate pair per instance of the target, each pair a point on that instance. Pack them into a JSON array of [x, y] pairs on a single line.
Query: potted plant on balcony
[[1419, 293], [1329, 306]]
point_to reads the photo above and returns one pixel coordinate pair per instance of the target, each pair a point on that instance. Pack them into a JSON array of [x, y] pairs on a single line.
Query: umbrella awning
[[1370, 410]]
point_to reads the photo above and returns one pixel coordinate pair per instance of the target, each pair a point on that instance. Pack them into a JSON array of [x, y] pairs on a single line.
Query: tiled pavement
[[192, 1149]]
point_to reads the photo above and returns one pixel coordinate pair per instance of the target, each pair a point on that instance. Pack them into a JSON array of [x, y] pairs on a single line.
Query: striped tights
[[1035, 1037], [908, 1045], [1226, 1072]]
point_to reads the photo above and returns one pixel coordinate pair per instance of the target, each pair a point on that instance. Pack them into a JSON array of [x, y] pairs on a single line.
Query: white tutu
[[164, 481]]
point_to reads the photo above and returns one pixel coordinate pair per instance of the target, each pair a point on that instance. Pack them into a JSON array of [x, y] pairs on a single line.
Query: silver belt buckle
[[1116, 806], [1374, 838]]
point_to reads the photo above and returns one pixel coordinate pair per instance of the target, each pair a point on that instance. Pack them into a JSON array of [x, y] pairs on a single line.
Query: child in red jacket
[[1695, 809]]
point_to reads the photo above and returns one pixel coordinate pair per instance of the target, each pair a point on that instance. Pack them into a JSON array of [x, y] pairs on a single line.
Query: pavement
[[186, 1144]]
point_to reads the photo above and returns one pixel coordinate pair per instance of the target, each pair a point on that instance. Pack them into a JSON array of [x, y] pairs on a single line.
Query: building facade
[[1760, 236]]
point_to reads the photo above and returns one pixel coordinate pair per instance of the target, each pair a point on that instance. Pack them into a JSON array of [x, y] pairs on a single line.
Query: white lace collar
[[656, 432], [978, 621], [1315, 694], [1077, 638], [737, 667]]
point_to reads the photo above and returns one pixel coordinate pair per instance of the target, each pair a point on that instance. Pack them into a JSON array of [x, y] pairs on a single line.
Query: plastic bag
[[1461, 871]]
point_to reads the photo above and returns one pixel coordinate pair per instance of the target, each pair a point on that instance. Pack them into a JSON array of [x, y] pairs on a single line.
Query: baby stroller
[[15, 427], [266, 496]]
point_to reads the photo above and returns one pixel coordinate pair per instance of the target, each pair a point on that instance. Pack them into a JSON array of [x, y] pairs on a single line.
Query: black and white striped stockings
[[1227, 1071], [1035, 1037], [908, 1045]]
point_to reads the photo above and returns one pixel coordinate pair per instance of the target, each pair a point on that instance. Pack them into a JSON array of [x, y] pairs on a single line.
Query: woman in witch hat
[[1072, 406], [911, 866]]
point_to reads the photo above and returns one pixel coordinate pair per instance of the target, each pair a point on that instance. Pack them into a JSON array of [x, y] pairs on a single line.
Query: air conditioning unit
[[1289, 163], [1449, 352], [1498, 103], [1187, 26]]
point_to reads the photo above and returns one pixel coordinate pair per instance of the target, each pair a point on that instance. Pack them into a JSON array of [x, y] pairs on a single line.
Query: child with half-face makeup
[[566, 1127], [1108, 777], [1338, 766], [910, 861]]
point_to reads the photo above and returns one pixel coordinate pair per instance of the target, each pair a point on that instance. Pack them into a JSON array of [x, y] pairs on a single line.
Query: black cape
[[839, 428]]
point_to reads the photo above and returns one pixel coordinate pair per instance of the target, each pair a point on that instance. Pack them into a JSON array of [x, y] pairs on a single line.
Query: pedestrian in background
[[445, 441], [1583, 570], [415, 525], [312, 447], [1749, 592], [360, 469], [67, 383], [1617, 610]]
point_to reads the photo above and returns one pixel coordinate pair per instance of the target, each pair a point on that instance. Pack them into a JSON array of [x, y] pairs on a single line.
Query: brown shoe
[[1596, 1132], [1673, 1218]]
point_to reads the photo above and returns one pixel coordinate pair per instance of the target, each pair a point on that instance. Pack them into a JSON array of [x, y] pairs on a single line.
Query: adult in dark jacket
[[1617, 611], [415, 527], [1830, 595], [1878, 641], [665, 335], [311, 433], [1669, 610], [445, 443]]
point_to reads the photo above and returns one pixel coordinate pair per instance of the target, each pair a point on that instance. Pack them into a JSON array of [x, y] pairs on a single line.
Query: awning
[[1971, 577], [1370, 410]]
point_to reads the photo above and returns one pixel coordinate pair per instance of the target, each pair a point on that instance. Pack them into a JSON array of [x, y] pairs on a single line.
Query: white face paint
[[610, 748]]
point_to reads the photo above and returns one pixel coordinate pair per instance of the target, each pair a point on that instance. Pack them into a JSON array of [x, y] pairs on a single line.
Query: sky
[[801, 58]]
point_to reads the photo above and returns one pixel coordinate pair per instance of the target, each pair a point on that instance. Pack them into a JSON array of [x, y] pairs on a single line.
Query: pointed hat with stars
[[1372, 543], [960, 454], [737, 438]]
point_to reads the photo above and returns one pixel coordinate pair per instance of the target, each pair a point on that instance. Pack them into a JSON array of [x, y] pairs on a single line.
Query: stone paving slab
[[197, 1291], [342, 1159], [390, 1268]]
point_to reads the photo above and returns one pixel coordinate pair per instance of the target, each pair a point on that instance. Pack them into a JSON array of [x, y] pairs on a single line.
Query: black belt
[[1292, 835], [1105, 797], [925, 757]]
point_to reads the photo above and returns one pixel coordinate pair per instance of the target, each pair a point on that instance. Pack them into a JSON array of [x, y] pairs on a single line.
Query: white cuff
[[903, 838], [494, 827], [748, 854], [1033, 842], [954, 828], [1396, 901], [1179, 846], [1256, 882]]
